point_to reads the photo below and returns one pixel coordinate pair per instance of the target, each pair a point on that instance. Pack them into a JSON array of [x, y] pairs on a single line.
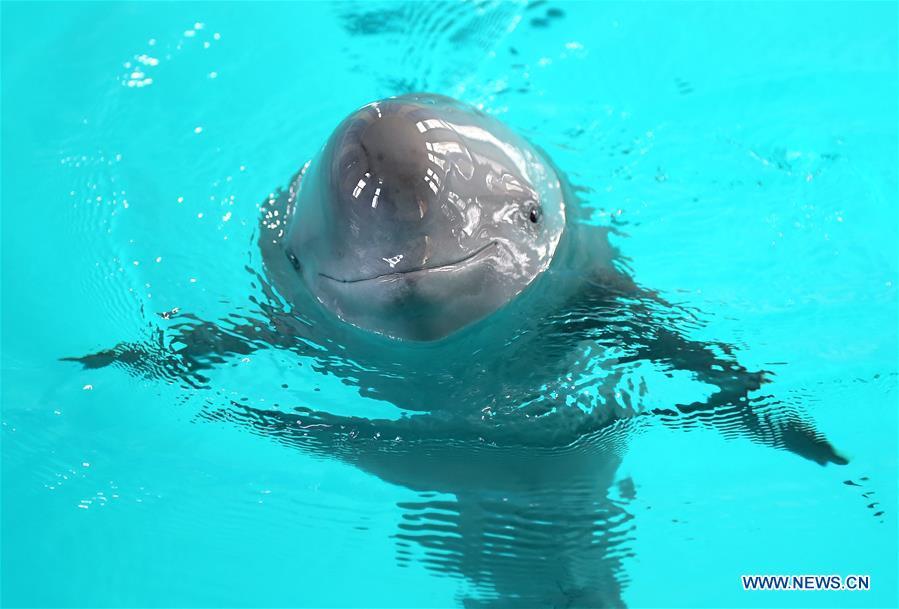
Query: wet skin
[[419, 217]]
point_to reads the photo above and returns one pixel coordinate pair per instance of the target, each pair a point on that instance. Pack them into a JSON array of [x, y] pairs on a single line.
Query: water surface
[[744, 157]]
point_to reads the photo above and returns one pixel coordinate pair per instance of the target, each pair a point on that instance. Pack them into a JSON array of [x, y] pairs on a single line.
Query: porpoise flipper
[[650, 338], [183, 351]]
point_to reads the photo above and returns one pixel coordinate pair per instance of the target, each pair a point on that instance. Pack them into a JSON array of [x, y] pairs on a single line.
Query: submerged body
[[445, 269]]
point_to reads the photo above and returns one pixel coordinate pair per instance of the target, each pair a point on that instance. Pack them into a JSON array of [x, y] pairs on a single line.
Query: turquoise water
[[745, 156]]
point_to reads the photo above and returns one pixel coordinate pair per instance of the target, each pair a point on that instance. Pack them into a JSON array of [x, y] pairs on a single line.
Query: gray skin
[[489, 333], [421, 216]]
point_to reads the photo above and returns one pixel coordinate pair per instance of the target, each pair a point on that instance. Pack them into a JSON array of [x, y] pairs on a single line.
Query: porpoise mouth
[[473, 258]]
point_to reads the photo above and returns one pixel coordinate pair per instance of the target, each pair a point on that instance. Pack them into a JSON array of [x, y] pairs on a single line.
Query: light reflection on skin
[[440, 181]]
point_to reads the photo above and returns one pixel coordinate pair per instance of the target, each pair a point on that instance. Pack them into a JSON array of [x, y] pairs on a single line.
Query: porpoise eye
[[534, 214], [293, 260]]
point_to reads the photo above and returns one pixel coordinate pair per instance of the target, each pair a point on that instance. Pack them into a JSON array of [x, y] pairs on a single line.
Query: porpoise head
[[422, 215]]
